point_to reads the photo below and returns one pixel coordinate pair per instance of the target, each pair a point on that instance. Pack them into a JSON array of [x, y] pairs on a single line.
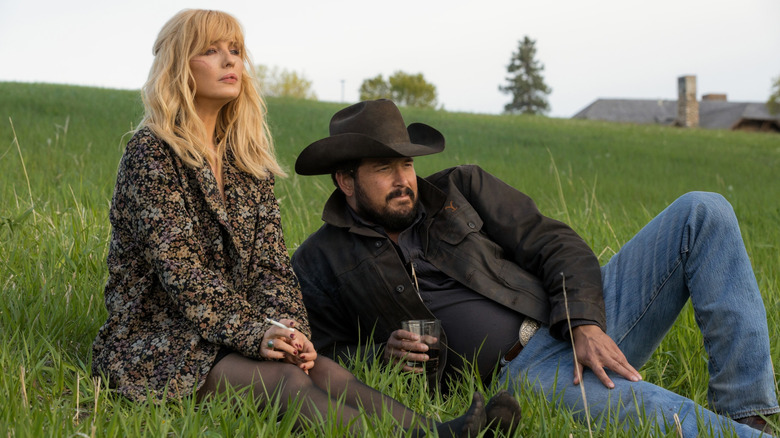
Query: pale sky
[[590, 49]]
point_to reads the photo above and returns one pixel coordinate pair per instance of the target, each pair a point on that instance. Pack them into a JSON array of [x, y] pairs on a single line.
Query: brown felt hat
[[370, 129]]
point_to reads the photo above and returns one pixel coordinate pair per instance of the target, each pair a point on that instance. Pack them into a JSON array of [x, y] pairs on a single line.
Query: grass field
[[59, 150]]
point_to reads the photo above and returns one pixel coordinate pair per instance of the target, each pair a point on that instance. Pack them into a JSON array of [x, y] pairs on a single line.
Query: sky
[[589, 49]]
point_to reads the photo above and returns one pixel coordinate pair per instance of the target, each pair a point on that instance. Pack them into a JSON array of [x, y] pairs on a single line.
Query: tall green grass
[[59, 149]]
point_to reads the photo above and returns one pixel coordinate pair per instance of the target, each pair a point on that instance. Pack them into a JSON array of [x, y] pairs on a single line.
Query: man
[[510, 284]]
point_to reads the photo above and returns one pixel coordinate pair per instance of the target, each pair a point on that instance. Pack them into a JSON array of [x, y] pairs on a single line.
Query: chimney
[[720, 97], [687, 106]]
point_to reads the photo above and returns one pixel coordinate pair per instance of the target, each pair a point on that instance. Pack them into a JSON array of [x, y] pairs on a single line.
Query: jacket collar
[[335, 211], [210, 190], [207, 183]]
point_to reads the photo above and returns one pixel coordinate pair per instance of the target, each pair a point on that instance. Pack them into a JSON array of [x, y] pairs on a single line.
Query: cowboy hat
[[369, 129]]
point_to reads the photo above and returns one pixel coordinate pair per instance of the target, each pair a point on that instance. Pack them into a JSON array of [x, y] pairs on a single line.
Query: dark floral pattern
[[189, 272]]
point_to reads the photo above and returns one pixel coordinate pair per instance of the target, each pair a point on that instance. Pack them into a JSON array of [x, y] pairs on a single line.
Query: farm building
[[714, 111]]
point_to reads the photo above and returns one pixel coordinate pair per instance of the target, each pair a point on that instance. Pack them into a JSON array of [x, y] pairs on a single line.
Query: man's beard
[[391, 221]]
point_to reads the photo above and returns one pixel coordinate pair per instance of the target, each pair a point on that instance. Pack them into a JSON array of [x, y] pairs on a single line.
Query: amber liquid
[[429, 367], [432, 364]]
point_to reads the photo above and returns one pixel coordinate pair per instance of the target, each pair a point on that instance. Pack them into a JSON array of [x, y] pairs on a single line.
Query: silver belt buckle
[[528, 328]]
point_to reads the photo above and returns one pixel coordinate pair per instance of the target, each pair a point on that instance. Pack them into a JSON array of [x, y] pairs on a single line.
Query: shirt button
[[378, 243], [472, 225], [399, 288]]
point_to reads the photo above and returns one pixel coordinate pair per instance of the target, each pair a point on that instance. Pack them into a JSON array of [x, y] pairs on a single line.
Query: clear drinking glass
[[429, 331]]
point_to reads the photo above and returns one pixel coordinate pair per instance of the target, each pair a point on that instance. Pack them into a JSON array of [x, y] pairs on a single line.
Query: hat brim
[[324, 156]]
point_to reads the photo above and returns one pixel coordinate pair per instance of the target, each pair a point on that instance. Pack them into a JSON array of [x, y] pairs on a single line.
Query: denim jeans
[[692, 250]]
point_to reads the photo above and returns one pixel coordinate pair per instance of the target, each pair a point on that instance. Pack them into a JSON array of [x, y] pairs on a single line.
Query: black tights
[[317, 391]]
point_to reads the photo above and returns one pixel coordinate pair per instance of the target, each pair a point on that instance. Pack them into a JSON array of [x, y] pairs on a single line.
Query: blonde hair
[[168, 97]]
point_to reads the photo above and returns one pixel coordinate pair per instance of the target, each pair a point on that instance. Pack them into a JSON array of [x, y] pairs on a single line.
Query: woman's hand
[[307, 355], [289, 345]]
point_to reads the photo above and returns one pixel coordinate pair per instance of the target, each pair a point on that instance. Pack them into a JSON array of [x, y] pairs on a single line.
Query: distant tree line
[[524, 82]]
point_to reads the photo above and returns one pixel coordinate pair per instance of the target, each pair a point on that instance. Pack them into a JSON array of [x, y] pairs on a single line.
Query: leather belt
[[528, 328], [513, 352]]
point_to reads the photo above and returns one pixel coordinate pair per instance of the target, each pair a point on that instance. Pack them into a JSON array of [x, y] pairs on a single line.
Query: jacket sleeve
[[274, 287], [336, 332], [545, 247], [150, 203]]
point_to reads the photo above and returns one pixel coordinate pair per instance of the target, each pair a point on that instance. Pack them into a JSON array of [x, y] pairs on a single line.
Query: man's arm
[[335, 332], [557, 255], [547, 248]]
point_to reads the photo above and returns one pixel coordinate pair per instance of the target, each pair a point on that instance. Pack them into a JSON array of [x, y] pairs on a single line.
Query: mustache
[[400, 192]]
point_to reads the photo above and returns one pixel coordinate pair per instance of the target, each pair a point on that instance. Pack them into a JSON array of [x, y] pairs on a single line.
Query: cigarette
[[277, 323]]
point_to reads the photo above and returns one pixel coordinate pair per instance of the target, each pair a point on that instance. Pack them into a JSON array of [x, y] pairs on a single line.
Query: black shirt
[[478, 329]]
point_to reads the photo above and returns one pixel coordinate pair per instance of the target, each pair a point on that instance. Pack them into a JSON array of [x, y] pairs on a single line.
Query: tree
[[278, 83], [412, 90], [525, 82], [403, 88], [375, 88], [774, 100]]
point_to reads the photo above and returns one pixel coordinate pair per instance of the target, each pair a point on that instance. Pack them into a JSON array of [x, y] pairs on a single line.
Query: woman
[[197, 262]]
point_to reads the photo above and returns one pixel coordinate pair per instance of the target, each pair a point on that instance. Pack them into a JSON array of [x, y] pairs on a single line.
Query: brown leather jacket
[[478, 230]]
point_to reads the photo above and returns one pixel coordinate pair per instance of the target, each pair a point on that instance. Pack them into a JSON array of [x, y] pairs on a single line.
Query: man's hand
[[403, 346], [597, 351]]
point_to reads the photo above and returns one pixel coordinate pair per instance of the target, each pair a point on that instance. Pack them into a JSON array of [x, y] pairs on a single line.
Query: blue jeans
[[693, 249]]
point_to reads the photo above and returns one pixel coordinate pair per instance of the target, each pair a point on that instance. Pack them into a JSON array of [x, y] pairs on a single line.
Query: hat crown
[[378, 119], [370, 129]]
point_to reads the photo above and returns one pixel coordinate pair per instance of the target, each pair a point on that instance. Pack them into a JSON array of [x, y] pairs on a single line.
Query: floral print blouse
[[189, 272]]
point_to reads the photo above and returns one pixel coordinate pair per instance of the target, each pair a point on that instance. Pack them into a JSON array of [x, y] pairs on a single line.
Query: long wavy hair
[[169, 92]]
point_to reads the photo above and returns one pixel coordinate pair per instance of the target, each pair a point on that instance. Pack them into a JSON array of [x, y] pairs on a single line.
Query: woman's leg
[[325, 384], [269, 379], [334, 379]]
